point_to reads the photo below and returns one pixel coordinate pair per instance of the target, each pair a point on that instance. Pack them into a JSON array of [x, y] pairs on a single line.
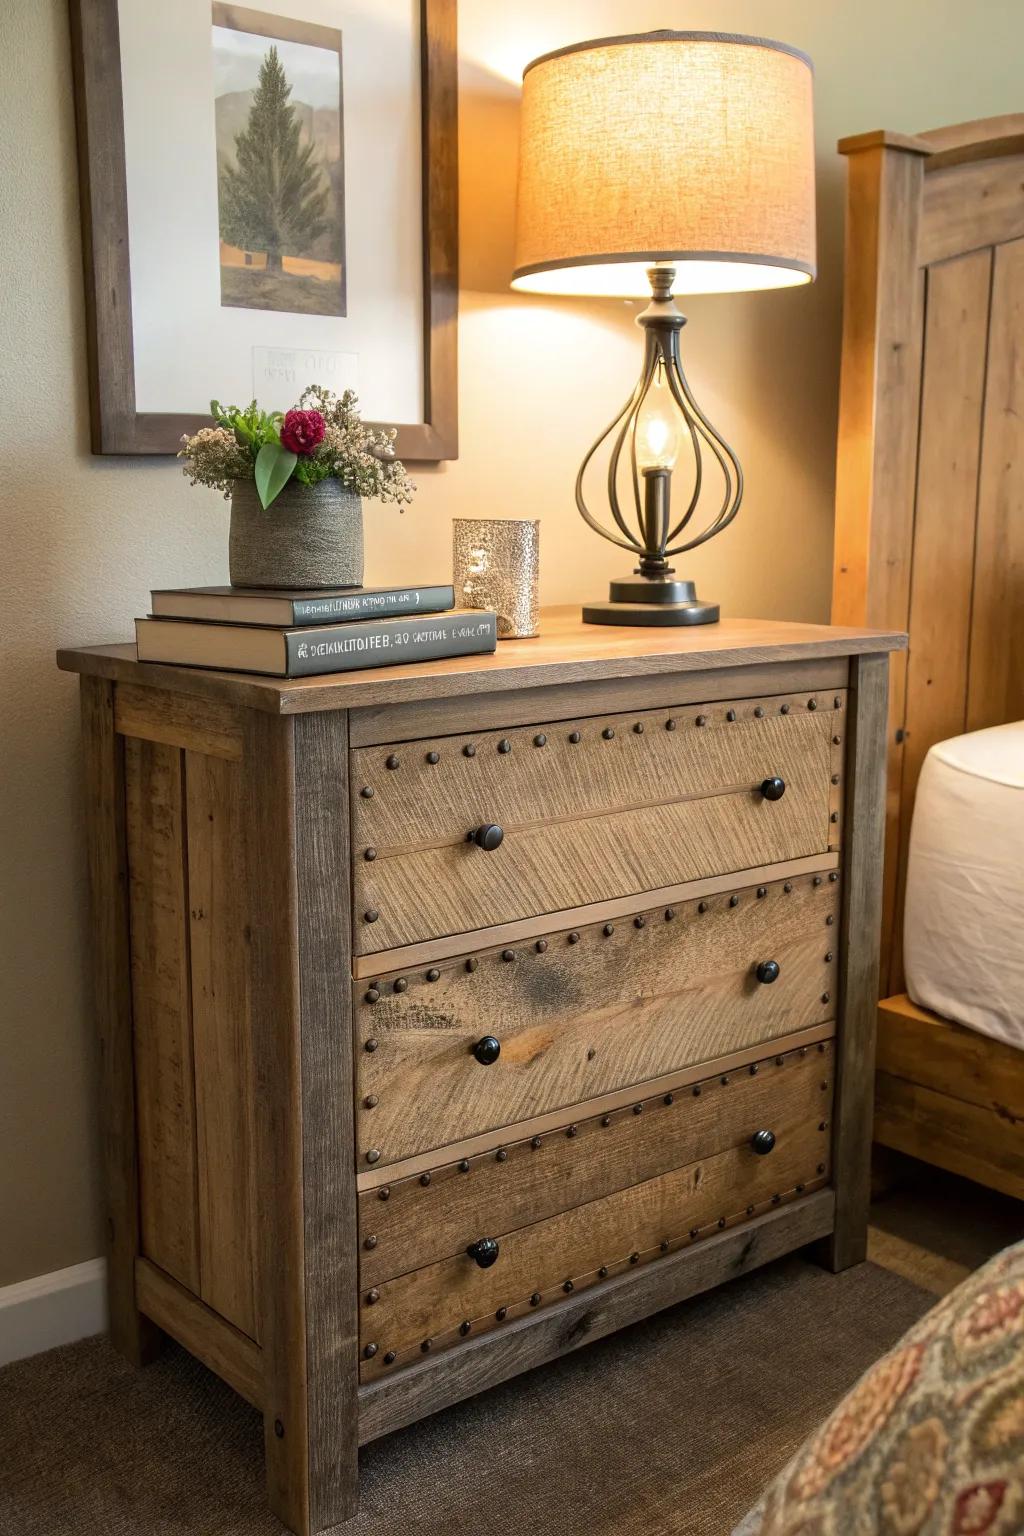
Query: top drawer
[[588, 810]]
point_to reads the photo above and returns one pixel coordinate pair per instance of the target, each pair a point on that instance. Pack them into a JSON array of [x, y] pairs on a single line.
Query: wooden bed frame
[[930, 539]]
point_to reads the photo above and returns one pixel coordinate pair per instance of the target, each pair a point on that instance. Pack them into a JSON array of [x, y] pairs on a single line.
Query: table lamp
[[645, 161]]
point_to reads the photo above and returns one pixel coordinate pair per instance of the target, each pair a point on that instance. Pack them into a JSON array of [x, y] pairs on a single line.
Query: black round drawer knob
[[762, 1142], [487, 1050], [767, 971], [488, 837], [484, 1252], [773, 789]]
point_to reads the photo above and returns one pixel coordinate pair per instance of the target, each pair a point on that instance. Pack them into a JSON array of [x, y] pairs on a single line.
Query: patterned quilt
[[930, 1442]]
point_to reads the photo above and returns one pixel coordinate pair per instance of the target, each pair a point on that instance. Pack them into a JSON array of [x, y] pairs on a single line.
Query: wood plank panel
[[567, 701], [222, 1049], [876, 464], [162, 1007], [411, 1222], [589, 1013], [178, 720], [331, 1265], [525, 1342], [268, 790], [995, 686], [951, 1133], [859, 921], [966, 207], [924, 1048], [589, 766], [956, 339], [573, 1247], [107, 862], [221, 1347]]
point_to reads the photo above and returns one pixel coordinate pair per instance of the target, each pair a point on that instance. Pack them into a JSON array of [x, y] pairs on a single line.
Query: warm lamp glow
[[691, 149], [659, 426]]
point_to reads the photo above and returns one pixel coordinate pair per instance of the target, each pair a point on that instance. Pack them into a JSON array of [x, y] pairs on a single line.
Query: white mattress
[[963, 940]]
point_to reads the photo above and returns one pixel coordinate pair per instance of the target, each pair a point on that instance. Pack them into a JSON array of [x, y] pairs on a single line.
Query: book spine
[[372, 605], [390, 645]]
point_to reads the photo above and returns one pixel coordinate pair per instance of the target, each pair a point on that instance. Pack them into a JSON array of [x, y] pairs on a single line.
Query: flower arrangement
[[323, 437]]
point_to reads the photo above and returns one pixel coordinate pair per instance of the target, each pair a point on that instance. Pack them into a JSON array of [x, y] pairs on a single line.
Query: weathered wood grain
[[331, 1273], [395, 1401], [542, 925], [224, 1349], [568, 701], [956, 341], [221, 1039], [107, 860], [412, 1222], [587, 766], [582, 1018], [268, 799], [879, 408], [568, 651], [619, 1232], [162, 1008], [179, 720], [995, 683], [951, 1133], [859, 920], [617, 812], [969, 206], [922, 1047]]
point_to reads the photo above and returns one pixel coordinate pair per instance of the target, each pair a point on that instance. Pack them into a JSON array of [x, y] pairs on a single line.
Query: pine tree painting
[[279, 171]]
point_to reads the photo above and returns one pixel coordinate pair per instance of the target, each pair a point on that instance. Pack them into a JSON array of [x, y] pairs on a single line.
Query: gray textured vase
[[310, 536]]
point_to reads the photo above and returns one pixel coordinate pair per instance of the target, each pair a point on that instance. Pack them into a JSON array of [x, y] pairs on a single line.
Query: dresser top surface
[[566, 651]]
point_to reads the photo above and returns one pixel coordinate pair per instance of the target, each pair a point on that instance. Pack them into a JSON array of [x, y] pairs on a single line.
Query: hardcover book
[[290, 609], [305, 652]]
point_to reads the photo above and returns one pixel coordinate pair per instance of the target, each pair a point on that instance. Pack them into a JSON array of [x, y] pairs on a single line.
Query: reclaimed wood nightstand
[[453, 1016]]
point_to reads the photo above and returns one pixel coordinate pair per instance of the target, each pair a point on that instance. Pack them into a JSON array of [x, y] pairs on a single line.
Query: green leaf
[[274, 466]]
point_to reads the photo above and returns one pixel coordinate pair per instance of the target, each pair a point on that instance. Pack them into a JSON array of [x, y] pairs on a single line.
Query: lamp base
[[647, 600]]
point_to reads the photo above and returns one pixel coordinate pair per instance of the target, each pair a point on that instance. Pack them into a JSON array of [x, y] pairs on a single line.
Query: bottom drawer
[[518, 1265]]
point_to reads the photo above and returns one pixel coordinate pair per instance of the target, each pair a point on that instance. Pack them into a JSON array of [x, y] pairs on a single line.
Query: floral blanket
[[930, 1442]]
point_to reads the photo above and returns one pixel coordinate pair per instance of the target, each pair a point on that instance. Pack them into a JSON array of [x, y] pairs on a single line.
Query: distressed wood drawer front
[[589, 810], [419, 1218], [588, 1011], [539, 1262]]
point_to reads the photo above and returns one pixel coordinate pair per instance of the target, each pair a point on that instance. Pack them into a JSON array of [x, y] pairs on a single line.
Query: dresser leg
[[860, 933], [297, 850], [133, 1335]]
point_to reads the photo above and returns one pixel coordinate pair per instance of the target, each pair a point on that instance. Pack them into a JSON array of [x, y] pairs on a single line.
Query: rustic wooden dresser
[[453, 1016]]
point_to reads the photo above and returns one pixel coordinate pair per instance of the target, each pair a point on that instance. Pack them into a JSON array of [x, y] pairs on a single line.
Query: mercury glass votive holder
[[496, 564]]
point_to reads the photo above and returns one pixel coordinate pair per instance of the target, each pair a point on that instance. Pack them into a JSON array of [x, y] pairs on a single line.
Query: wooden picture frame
[[117, 426]]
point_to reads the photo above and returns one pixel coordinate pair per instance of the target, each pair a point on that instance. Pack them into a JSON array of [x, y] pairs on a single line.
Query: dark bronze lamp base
[[651, 600]]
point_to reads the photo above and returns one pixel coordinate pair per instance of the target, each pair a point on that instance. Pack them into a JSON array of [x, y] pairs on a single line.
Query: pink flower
[[302, 431]]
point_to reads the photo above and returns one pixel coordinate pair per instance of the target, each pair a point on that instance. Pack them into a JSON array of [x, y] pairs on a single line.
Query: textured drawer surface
[[586, 1012], [417, 1219], [616, 1225], [589, 810]]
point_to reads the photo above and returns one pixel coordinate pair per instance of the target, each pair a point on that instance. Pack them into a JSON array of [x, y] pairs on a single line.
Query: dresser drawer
[[589, 810], [586, 1012], [414, 1219], [569, 1208]]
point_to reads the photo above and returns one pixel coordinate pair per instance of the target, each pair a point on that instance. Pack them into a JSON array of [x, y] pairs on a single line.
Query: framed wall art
[[216, 265]]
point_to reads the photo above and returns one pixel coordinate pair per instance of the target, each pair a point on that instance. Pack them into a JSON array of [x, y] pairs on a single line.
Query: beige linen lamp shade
[[693, 149]]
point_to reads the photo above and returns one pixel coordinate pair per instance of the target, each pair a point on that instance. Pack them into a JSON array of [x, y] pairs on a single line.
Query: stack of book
[[299, 634]]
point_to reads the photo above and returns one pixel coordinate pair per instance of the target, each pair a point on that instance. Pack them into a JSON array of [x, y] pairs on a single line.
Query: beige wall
[[83, 539]]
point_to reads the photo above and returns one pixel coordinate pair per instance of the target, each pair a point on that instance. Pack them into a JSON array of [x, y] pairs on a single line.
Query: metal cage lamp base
[[653, 595]]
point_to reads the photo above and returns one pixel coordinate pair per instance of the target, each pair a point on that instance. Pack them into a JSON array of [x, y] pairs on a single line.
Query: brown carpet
[[673, 1426]]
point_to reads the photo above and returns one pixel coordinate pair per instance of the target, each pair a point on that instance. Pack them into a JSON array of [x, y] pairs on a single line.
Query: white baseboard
[[53, 1309]]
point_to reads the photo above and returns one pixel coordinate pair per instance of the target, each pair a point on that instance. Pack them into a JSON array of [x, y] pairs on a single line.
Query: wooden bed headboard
[[930, 468]]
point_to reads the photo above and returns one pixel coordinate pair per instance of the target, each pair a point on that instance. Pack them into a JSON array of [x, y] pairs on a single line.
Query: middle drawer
[[587, 1011]]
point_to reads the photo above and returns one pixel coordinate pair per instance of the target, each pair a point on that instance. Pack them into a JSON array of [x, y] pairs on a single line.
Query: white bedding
[[963, 941]]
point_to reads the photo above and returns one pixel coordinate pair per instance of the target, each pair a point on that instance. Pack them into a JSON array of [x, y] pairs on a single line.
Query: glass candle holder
[[496, 564]]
